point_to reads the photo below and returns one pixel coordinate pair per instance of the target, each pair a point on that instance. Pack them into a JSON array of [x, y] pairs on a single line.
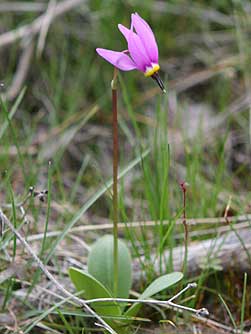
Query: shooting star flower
[[142, 53]]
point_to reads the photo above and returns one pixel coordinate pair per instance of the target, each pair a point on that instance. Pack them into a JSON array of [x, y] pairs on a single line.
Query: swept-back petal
[[137, 52], [125, 31], [118, 59], [146, 35]]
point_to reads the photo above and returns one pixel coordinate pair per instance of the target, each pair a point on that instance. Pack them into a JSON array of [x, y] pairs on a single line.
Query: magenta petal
[[125, 31], [118, 59], [146, 35], [137, 52]]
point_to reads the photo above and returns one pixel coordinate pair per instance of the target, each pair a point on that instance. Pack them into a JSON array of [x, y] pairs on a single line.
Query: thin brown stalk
[[115, 180]]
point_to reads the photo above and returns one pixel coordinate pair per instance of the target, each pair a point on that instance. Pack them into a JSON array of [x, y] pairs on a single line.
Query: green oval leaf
[[100, 265], [161, 283], [92, 288]]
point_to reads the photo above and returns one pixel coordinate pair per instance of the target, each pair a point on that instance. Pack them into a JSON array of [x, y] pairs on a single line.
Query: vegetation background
[[55, 135]]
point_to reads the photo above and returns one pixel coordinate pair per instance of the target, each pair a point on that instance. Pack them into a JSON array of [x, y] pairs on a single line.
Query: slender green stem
[[228, 312], [13, 207], [115, 182], [243, 303], [184, 189], [48, 208]]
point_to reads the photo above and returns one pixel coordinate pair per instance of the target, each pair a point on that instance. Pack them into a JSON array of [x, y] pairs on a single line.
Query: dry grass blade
[[48, 16]]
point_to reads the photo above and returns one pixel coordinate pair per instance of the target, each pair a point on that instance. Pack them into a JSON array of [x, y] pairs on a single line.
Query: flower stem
[[115, 181]]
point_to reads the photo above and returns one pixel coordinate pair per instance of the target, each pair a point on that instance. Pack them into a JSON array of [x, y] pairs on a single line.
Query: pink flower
[[142, 53]]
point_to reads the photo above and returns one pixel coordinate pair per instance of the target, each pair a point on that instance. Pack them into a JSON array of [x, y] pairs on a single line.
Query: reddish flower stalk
[[115, 180], [142, 54]]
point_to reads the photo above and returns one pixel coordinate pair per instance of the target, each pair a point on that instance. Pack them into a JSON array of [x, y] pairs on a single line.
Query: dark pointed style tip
[[157, 78]]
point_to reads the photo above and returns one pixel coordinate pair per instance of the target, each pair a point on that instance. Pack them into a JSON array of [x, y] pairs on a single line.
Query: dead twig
[[202, 311], [21, 72]]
